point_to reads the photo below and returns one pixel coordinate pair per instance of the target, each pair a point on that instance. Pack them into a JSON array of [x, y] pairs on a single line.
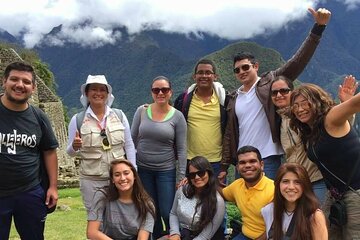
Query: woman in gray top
[[159, 134], [198, 209], [123, 210]]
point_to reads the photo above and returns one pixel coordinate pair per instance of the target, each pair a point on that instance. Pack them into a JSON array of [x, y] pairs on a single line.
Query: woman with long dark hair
[[294, 204], [334, 146], [123, 210], [198, 209], [281, 89]]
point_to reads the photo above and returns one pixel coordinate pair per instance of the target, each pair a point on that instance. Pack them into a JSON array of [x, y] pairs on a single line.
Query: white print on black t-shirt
[[10, 140]]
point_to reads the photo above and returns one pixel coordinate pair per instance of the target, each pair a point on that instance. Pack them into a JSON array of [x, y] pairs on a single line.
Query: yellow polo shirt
[[250, 201], [204, 136]]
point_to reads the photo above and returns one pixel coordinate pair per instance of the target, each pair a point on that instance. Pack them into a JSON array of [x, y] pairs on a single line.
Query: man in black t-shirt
[[22, 142]]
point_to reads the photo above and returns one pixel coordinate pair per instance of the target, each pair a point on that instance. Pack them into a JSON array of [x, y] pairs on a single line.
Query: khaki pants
[[88, 189], [350, 231]]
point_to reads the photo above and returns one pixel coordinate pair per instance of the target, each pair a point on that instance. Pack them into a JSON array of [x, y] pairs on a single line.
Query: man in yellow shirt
[[250, 193], [203, 107]]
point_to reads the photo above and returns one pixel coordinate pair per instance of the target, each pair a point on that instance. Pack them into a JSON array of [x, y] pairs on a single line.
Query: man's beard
[[17, 101], [253, 179]]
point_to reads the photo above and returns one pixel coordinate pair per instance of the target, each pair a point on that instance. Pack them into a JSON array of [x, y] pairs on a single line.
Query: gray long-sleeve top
[[183, 215], [156, 142]]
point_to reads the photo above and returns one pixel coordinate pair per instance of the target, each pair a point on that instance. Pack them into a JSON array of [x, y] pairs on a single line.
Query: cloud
[[351, 4], [91, 22]]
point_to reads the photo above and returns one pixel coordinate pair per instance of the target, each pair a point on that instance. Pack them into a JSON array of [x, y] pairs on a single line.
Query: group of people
[[166, 174]]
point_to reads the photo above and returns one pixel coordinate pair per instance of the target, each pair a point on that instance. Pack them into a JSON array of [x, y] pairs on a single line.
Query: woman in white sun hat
[[97, 136]]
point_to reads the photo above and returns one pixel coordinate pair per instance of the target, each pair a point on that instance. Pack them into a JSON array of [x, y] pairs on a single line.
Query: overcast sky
[[231, 19]]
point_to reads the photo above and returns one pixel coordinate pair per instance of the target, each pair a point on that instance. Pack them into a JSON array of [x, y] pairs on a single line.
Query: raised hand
[[348, 88], [321, 16], [77, 143]]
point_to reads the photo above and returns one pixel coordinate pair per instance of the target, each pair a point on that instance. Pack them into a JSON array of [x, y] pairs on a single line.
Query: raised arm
[[297, 63], [347, 91], [348, 88], [336, 119]]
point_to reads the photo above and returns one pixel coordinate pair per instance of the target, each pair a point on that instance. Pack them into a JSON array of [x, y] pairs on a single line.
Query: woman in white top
[[294, 200]]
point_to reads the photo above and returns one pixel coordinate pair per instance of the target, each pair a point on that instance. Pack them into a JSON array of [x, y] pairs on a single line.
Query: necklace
[[289, 213]]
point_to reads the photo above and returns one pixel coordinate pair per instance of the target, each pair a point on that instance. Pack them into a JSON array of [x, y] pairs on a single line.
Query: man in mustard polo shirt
[[250, 193], [203, 107]]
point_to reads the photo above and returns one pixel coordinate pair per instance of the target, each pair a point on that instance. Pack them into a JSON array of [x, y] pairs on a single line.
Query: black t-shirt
[[22, 142]]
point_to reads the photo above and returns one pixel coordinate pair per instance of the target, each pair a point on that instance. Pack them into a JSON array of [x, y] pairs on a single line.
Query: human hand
[[321, 16], [348, 88], [182, 182], [174, 237], [221, 178], [77, 143], [51, 197]]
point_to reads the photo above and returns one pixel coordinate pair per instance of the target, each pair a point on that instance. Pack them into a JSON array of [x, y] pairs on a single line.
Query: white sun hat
[[100, 79]]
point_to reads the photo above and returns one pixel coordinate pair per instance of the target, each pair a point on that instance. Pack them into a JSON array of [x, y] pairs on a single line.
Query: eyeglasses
[[244, 67], [304, 105], [164, 90], [192, 175], [206, 73], [105, 140], [282, 91]]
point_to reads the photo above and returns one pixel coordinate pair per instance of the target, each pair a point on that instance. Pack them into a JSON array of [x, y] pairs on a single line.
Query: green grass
[[64, 224], [71, 224]]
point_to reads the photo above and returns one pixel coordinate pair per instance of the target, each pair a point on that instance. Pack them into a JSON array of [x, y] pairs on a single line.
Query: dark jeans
[[29, 212], [161, 187]]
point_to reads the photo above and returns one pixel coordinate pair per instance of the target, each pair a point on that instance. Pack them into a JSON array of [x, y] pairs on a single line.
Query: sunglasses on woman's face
[[200, 173], [282, 91], [164, 90], [244, 67]]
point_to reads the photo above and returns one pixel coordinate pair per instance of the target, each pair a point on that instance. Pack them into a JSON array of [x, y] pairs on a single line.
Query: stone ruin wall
[[51, 104]]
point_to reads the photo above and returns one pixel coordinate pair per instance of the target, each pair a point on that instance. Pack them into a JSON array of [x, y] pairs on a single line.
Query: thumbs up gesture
[[321, 16], [77, 143]]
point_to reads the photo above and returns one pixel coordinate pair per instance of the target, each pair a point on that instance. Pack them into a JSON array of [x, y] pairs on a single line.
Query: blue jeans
[[271, 165], [320, 190], [161, 187], [29, 212]]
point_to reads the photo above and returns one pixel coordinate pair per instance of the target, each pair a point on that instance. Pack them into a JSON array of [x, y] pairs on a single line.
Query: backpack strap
[[79, 119], [119, 113]]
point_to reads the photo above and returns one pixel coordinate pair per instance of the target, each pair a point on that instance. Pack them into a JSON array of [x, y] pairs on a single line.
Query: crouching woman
[[123, 210], [198, 209]]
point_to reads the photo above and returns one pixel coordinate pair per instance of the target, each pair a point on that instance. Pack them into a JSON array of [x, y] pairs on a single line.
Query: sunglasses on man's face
[[244, 67], [200, 173], [164, 90], [282, 91]]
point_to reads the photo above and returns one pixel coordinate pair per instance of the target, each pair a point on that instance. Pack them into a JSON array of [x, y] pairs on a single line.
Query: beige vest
[[295, 151], [94, 160]]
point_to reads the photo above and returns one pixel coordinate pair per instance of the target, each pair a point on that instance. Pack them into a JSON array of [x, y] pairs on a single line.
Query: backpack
[[81, 115]]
